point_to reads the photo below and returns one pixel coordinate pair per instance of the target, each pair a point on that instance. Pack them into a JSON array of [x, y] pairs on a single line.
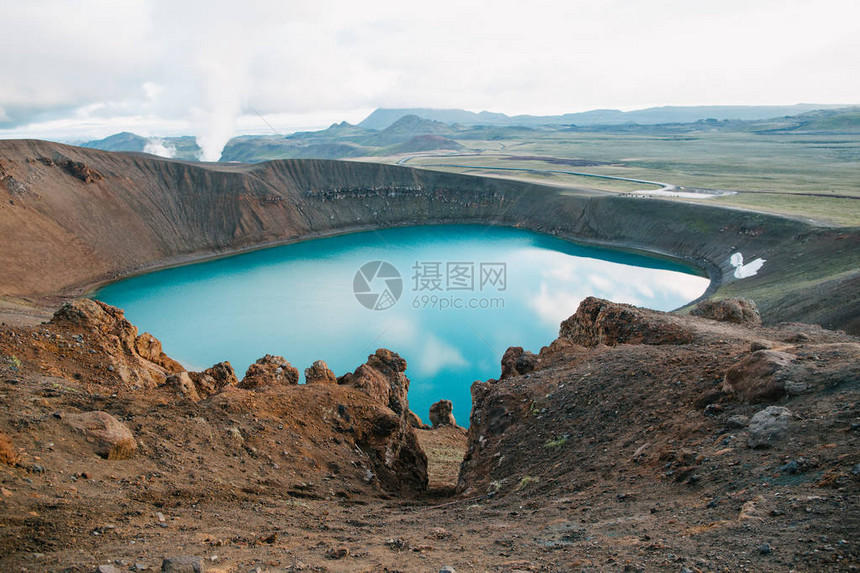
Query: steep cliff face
[[72, 217]]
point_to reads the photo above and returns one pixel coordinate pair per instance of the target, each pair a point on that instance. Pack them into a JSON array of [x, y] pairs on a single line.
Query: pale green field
[[800, 174]]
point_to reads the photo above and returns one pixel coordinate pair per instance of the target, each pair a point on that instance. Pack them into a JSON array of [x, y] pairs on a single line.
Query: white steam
[[156, 146], [220, 70]]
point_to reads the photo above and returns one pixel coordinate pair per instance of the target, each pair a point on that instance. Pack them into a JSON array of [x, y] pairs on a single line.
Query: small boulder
[[736, 310], [8, 454], [769, 426], [270, 370], [182, 564], [214, 379], [441, 414], [517, 361], [319, 373], [414, 420], [760, 377], [112, 439], [184, 385]]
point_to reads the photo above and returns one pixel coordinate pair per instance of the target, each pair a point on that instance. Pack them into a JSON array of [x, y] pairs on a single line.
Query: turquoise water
[[299, 301]]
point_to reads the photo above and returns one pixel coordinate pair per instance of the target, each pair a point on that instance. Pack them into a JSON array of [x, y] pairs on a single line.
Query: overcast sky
[[90, 68]]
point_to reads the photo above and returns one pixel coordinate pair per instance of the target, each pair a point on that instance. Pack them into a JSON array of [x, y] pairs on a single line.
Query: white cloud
[[211, 66], [435, 355]]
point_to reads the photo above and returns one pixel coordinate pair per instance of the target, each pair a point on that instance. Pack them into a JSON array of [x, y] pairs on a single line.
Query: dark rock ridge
[[626, 394], [63, 232]]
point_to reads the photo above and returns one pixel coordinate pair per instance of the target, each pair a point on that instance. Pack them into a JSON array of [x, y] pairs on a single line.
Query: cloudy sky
[[85, 69]]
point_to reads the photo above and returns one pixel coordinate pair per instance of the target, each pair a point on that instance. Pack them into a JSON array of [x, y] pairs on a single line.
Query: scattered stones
[[182, 564], [711, 410], [107, 569], [769, 426], [441, 414], [438, 533], [112, 439], [319, 373], [736, 310], [337, 553]]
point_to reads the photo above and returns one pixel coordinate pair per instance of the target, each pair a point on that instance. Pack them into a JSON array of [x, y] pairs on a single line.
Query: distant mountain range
[[382, 118], [402, 132]]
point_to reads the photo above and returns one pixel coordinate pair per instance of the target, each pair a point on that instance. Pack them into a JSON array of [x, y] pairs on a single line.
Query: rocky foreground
[[636, 441]]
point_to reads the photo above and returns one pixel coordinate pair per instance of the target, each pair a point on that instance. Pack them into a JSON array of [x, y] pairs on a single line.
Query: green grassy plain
[[810, 174]]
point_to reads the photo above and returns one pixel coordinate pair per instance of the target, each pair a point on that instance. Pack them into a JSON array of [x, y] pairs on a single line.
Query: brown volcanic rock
[[599, 321], [761, 376], [442, 414], [320, 373], [516, 361], [149, 347], [112, 439], [8, 454], [736, 310], [82, 171], [383, 379], [183, 385], [270, 370], [137, 360], [214, 379], [399, 462]]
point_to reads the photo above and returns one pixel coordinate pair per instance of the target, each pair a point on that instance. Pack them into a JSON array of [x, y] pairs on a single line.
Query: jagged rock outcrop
[[320, 373], [517, 361], [736, 310], [112, 439], [149, 347], [414, 420], [269, 370], [442, 414], [598, 321], [214, 379], [82, 171], [495, 409], [399, 462], [136, 360], [382, 378]]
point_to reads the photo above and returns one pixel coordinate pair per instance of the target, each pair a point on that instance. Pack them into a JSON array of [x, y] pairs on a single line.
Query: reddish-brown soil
[[619, 448]]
